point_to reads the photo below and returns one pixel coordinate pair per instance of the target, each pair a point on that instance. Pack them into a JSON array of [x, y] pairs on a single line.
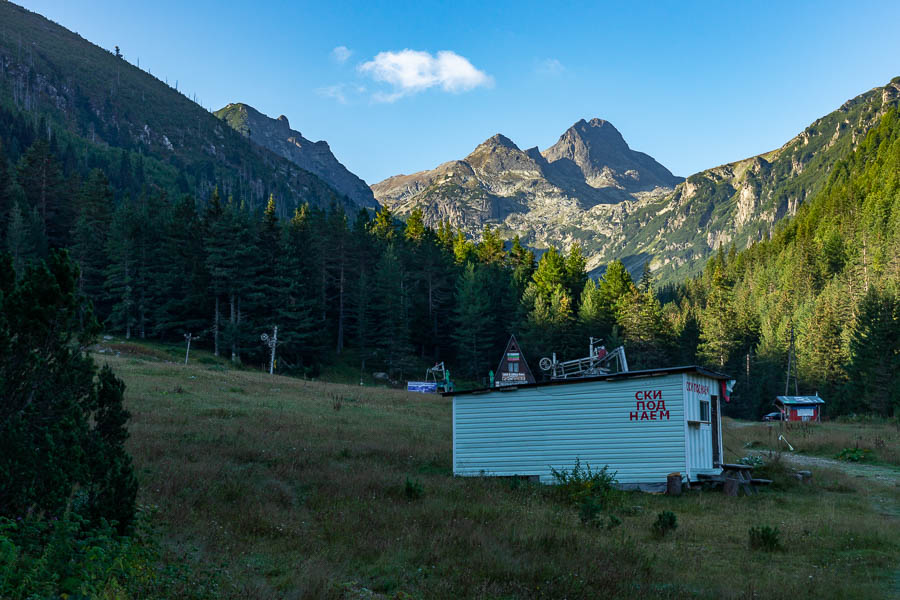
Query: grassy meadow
[[271, 487], [877, 439]]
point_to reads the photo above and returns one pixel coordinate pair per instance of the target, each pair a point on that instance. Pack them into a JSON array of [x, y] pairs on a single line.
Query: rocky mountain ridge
[[591, 188], [315, 157]]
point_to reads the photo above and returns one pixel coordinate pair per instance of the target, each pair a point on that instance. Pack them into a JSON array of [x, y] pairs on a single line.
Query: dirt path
[[886, 474]]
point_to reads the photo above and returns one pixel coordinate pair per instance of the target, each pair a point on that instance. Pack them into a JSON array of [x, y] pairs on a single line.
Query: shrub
[[69, 557], [581, 483], [413, 489], [764, 538], [753, 460], [854, 454], [666, 521]]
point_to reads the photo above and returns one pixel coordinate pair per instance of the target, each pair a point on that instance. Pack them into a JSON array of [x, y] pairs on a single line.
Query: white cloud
[[337, 92], [342, 92], [341, 54], [549, 66], [412, 71]]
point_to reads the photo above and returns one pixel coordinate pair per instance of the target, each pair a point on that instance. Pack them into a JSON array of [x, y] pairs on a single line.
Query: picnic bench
[[732, 479]]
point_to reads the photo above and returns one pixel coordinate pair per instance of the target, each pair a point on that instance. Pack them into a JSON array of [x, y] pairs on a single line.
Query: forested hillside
[[387, 295], [103, 111], [171, 243], [832, 274]]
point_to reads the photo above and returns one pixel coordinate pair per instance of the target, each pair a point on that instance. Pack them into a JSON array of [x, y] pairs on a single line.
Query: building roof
[[611, 377], [800, 400]]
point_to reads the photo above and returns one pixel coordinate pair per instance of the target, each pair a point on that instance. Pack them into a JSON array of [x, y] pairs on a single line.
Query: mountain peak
[[498, 139], [315, 157], [598, 131], [598, 150]]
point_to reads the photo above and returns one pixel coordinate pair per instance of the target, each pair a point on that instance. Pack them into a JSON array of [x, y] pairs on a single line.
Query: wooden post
[[731, 486], [673, 484]]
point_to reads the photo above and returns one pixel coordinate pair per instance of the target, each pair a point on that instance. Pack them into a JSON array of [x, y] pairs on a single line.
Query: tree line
[[372, 291]]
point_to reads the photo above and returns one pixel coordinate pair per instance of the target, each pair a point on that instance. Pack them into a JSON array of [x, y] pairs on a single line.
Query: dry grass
[[293, 489], [826, 439]]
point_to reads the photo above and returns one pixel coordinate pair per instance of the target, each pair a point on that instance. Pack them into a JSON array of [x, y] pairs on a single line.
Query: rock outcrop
[[315, 157]]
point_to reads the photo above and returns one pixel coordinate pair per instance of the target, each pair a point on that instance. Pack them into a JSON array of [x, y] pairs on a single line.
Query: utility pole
[[188, 338], [271, 342]]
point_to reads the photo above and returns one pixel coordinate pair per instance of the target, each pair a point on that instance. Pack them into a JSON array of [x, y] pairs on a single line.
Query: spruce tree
[[95, 208], [471, 326], [42, 181], [874, 369], [62, 424]]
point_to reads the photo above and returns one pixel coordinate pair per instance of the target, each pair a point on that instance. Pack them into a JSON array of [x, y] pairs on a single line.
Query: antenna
[[188, 337], [271, 342]]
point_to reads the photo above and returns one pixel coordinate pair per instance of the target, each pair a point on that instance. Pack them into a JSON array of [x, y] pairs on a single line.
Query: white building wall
[[528, 430], [698, 433]]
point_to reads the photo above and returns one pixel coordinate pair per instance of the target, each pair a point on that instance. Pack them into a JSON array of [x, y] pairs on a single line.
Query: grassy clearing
[[881, 438], [290, 489]]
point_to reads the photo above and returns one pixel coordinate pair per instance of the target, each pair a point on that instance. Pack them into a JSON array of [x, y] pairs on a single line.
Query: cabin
[[643, 425], [800, 408]]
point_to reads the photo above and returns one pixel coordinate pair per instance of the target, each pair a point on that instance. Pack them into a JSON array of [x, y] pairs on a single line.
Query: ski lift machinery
[[598, 362], [440, 375]]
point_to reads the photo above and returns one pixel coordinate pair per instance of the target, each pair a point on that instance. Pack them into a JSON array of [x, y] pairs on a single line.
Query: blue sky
[[692, 84]]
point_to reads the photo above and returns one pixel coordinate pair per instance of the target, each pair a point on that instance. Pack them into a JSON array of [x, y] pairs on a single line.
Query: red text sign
[[649, 406]]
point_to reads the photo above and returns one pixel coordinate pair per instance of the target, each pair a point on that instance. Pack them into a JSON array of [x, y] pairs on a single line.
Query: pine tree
[[463, 249], [183, 281], [471, 326], [121, 272], [576, 271], [390, 312], [645, 330], [95, 208], [719, 334], [302, 340], [490, 251], [874, 369], [19, 240], [414, 230], [615, 284], [42, 181]]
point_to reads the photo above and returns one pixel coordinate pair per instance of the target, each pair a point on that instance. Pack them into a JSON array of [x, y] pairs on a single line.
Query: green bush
[[764, 538], [666, 521], [69, 557], [413, 489], [855, 454], [581, 483]]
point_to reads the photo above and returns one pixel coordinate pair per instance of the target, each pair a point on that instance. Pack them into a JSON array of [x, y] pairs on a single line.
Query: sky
[[403, 87]]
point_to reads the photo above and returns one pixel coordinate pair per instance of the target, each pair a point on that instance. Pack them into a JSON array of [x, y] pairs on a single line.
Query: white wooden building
[[642, 424]]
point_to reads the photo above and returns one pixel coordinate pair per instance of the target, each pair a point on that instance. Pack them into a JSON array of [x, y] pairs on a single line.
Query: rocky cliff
[[573, 191], [590, 187], [315, 157]]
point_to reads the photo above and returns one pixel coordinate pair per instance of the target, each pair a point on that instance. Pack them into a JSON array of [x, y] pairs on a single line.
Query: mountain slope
[[315, 157], [741, 202], [570, 192], [49, 72], [620, 204]]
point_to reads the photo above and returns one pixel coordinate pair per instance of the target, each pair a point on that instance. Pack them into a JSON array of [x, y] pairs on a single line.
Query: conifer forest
[[159, 261]]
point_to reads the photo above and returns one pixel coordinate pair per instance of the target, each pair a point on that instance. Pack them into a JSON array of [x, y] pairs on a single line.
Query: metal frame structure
[[598, 362]]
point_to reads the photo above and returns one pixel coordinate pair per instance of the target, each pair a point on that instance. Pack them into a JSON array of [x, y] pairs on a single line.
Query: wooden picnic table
[[733, 478]]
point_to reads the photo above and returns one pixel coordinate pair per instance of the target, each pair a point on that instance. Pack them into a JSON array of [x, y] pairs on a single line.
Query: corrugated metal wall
[[526, 431], [699, 433]]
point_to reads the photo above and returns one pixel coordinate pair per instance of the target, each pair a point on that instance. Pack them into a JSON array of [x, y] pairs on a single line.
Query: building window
[[513, 367], [704, 411]]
